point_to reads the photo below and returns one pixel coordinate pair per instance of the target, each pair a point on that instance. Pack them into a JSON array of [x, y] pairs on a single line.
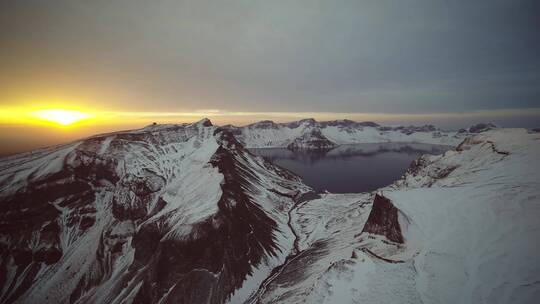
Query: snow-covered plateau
[[186, 214]]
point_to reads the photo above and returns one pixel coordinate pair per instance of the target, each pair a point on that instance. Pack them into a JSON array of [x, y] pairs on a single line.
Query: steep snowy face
[[310, 134], [458, 228], [167, 213]]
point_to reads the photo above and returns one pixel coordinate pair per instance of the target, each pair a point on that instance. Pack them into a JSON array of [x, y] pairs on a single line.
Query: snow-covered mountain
[[311, 134], [186, 214], [168, 214]]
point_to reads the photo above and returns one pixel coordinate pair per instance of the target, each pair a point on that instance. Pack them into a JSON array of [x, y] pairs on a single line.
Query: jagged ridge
[[311, 134]]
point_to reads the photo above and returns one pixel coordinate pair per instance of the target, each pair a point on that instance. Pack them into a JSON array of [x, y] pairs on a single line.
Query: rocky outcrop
[[263, 124], [314, 140], [481, 127], [383, 220]]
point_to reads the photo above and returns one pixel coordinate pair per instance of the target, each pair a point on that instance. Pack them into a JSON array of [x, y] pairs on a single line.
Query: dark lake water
[[350, 168]]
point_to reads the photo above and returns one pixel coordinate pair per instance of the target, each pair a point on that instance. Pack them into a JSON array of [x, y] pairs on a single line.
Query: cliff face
[[383, 220]]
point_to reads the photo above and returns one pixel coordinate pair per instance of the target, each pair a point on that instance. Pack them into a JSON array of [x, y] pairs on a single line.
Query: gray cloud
[[334, 56]]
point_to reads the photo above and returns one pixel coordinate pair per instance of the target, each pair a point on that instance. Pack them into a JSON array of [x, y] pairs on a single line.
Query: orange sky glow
[[29, 127]]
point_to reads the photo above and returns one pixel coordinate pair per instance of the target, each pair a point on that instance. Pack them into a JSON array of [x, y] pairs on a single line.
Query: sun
[[60, 116]]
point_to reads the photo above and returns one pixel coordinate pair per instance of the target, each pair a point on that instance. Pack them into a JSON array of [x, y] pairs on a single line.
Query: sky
[[130, 63]]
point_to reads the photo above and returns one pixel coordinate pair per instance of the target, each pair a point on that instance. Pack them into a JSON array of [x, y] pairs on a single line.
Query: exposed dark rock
[[414, 129], [87, 222], [481, 127], [383, 220], [263, 124], [384, 129], [314, 140], [25, 283], [416, 165], [467, 143], [368, 124], [408, 130], [233, 130], [335, 123], [48, 255], [160, 204], [308, 121], [22, 257], [373, 254], [205, 122], [134, 194]]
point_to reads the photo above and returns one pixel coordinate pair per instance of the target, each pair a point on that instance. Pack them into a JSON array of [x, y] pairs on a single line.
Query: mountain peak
[[205, 122], [308, 120], [263, 124]]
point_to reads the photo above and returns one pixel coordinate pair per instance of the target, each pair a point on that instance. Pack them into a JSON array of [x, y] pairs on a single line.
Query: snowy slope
[[468, 218], [310, 134], [185, 214], [479, 241], [168, 214]]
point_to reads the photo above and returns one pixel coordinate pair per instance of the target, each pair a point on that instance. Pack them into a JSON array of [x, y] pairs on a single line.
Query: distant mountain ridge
[[311, 134]]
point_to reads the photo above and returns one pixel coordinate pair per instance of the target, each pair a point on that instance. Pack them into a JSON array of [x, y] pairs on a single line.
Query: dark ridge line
[[373, 254]]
